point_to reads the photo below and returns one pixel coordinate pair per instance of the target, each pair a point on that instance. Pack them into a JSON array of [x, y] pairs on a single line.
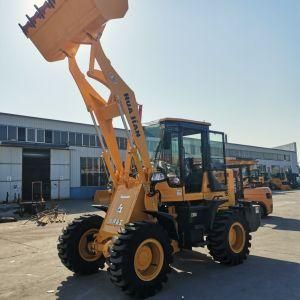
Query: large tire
[[72, 245], [229, 241], [132, 268]]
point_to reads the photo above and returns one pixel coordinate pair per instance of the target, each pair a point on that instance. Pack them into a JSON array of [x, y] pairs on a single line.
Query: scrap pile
[[45, 217]]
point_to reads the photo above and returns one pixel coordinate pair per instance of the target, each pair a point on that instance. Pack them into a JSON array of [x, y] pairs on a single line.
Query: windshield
[[254, 173], [163, 151], [153, 137]]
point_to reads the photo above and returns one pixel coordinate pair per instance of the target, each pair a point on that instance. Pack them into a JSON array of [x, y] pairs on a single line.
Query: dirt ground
[[30, 268]]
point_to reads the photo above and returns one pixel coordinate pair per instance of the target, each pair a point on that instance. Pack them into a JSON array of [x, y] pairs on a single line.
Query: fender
[[251, 213], [166, 221]]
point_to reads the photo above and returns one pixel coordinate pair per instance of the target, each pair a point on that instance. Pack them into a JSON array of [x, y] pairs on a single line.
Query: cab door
[[193, 160]]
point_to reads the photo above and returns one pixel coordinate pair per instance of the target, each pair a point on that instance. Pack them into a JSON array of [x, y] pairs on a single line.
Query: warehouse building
[[63, 158], [276, 160], [60, 157]]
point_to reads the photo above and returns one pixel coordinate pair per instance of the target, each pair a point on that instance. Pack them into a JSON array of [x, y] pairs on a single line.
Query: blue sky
[[234, 63]]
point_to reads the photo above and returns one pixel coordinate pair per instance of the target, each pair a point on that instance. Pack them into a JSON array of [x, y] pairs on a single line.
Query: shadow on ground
[[280, 223], [196, 276]]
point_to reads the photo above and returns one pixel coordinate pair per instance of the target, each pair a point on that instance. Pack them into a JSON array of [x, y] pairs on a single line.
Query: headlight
[[158, 177]]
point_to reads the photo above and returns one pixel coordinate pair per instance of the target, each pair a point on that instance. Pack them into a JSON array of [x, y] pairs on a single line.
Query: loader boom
[[121, 103], [58, 29]]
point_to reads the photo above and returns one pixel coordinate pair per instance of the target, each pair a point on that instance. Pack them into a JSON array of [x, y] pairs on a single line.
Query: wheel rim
[[237, 237], [84, 246], [148, 259]]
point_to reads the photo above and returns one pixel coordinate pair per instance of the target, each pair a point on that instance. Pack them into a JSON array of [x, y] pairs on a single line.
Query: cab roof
[[179, 120]]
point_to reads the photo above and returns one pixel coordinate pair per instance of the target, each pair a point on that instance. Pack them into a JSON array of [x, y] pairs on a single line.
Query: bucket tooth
[[51, 4], [31, 21], [23, 29], [40, 11]]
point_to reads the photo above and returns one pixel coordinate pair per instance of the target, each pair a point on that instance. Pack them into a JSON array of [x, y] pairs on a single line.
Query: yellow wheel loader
[[248, 187], [279, 182], [179, 196]]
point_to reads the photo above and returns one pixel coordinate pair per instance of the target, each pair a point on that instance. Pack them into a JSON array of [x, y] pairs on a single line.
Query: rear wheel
[[74, 245], [229, 241], [140, 259]]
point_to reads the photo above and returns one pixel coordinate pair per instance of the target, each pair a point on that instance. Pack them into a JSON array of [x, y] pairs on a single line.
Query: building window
[[30, 135], [12, 133], [280, 157], [40, 136], [56, 137], [72, 138], [21, 134], [79, 139], [64, 138], [3, 133], [48, 136], [104, 176], [92, 171], [122, 142], [98, 142], [86, 140], [92, 140]]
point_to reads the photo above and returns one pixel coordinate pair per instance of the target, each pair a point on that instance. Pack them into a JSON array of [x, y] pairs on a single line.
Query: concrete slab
[[30, 268]]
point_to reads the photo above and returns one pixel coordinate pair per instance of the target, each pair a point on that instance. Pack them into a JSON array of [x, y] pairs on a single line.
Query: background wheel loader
[[249, 186], [179, 197], [279, 182]]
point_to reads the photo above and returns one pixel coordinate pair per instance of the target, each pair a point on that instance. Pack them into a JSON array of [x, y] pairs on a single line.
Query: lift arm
[[121, 103], [58, 29]]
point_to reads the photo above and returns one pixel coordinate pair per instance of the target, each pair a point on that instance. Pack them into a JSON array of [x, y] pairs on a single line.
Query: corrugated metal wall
[[10, 172], [60, 174]]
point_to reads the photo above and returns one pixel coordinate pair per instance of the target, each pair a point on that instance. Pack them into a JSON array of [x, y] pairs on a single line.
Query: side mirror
[[158, 177]]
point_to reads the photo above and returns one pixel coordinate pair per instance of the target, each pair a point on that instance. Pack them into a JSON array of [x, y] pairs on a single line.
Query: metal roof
[[178, 120]]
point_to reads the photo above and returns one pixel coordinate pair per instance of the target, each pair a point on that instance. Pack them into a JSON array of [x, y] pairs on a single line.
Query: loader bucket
[[59, 26]]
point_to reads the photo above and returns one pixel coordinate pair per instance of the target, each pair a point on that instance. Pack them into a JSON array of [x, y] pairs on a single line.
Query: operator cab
[[185, 151]]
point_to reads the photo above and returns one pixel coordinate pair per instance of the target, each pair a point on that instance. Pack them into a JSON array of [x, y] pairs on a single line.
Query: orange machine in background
[[250, 188]]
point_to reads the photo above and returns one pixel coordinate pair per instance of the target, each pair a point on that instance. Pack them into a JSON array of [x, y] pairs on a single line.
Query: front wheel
[[229, 240], [74, 245], [140, 259]]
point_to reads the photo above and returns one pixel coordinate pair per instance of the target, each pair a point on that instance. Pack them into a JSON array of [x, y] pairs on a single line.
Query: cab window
[[217, 173], [193, 164]]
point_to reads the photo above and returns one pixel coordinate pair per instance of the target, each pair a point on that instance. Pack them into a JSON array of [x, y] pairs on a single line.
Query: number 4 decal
[[120, 208]]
